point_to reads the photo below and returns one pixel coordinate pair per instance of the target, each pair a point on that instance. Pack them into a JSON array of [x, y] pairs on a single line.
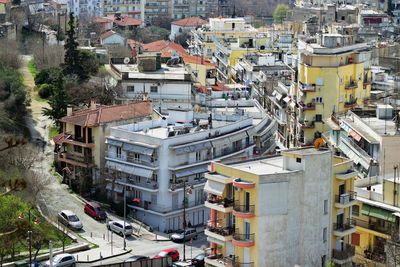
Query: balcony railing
[[375, 227], [164, 208], [350, 104], [308, 106], [346, 198], [248, 238], [225, 202], [347, 252], [174, 186], [250, 209], [307, 124], [213, 226], [80, 139], [376, 254], [344, 226], [223, 260], [306, 87], [351, 85], [74, 157], [358, 149]]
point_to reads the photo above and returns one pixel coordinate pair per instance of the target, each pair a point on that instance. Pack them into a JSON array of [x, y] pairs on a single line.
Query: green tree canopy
[[71, 60], [280, 13], [58, 101]]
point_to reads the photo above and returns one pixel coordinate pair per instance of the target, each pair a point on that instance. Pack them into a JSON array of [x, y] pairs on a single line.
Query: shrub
[[46, 90]]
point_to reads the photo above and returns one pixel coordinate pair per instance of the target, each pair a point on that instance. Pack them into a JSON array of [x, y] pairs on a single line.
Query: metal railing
[[373, 226], [347, 252], [74, 157], [243, 208], [352, 144], [376, 254], [213, 226], [344, 226], [346, 198], [221, 259], [80, 139], [225, 202], [307, 87], [243, 237]]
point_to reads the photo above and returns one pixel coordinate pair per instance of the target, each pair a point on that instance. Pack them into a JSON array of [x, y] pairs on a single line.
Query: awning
[[117, 188], [129, 169], [238, 137], [378, 213], [191, 172], [355, 135], [286, 99], [221, 142], [137, 149], [215, 188], [193, 148], [113, 142], [278, 96]]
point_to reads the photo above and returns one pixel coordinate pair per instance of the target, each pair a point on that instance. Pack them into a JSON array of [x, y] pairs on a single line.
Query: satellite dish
[[127, 60]]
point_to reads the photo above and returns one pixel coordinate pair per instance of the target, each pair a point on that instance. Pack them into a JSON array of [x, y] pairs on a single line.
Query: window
[[325, 235], [154, 177], [78, 149], [355, 210], [198, 155], [318, 100], [119, 152], [325, 206], [153, 89], [318, 117], [355, 239], [130, 88], [298, 160], [320, 81]]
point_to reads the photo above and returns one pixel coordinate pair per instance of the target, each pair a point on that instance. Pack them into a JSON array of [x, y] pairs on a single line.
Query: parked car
[[94, 210], [70, 219], [179, 235], [118, 227], [198, 261], [61, 260], [172, 253], [136, 258]]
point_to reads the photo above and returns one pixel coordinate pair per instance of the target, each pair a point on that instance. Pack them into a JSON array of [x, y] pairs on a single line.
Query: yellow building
[[80, 148], [281, 210], [333, 76], [202, 70], [376, 216]]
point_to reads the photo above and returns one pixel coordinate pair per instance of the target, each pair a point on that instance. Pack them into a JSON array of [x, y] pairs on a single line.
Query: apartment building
[[165, 85], [184, 26], [333, 76], [189, 8], [157, 9], [283, 210], [370, 138], [80, 148], [377, 220], [84, 8], [160, 161], [134, 9], [202, 42]]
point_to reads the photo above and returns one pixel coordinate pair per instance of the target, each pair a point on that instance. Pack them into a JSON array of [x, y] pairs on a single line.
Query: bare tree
[[9, 55], [47, 56]]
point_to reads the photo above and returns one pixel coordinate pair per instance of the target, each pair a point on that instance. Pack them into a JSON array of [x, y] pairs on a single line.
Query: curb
[[105, 258]]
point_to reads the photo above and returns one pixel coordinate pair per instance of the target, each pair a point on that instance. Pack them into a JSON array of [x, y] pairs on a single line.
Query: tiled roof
[[107, 34], [5, 1], [127, 21], [190, 22], [104, 114], [59, 138], [132, 44], [102, 19], [219, 86], [197, 60], [166, 48]]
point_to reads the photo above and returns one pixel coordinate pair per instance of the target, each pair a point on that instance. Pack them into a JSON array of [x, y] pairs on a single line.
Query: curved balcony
[[243, 211], [243, 240], [352, 85], [239, 183]]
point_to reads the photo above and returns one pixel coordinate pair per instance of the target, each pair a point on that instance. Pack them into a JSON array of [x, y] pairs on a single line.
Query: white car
[[118, 227], [179, 235], [70, 219], [62, 260]]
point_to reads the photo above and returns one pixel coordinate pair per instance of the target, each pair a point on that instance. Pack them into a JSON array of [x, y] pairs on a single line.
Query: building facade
[[279, 211], [156, 160]]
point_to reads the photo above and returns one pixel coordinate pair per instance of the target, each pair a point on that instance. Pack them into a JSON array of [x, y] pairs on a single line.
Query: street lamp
[[22, 216], [187, 191]]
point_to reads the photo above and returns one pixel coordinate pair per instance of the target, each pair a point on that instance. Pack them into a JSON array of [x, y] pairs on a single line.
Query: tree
[[280, 13], [58, 102], [89, 64], [71, 60]]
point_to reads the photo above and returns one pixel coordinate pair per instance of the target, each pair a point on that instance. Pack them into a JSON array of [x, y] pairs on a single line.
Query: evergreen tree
[[58, 102], [72, 60], [280, 13]]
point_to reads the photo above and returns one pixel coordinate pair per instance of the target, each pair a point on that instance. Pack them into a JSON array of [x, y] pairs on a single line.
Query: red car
[[173, 253], [94, 210]]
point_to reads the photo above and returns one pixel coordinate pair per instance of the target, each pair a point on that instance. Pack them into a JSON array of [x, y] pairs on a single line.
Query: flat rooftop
[[262, 167], [176, 72]]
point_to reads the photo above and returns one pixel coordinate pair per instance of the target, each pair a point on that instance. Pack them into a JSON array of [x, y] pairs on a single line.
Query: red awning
[[355, 135], [136, 200]]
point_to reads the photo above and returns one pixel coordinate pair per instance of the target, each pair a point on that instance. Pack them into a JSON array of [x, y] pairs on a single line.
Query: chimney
[[93, 104], [69, 110]]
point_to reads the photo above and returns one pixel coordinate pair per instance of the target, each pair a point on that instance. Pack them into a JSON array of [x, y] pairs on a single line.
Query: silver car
[[179, 235], [70, 219], [62, 260], [118, 227]]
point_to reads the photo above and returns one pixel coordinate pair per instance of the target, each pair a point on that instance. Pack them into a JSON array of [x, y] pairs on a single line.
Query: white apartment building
[[154, 159], [86, 8], [134, 9], [166, 86]]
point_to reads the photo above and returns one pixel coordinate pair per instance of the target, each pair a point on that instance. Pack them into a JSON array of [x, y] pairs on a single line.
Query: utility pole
[[51, 253], [184, 220], [30, 238], [124, 217]]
